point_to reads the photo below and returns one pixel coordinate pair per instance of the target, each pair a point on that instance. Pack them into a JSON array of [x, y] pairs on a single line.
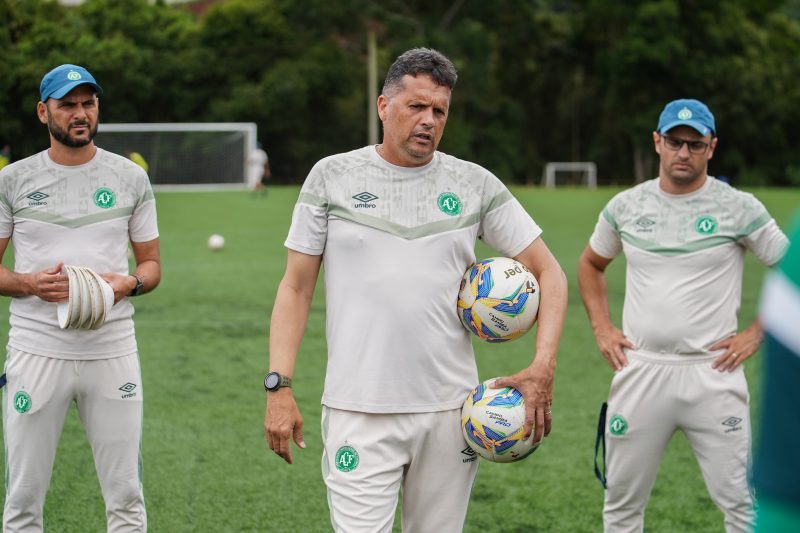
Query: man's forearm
[[552, 310], [594, 293], [14, 284], [287, 324]]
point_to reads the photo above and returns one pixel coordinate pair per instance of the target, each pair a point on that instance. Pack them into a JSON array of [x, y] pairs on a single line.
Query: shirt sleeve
[[605, 240], [6, 217], [309, 230], [505, 225], [143, 224], [758, 231], [768, 243]]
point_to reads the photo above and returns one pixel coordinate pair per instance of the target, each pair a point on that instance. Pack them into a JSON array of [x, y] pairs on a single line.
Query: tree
[[541, 80]]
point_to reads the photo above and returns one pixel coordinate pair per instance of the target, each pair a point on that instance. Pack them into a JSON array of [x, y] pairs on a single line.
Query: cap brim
[[701, 128], [65, 90]]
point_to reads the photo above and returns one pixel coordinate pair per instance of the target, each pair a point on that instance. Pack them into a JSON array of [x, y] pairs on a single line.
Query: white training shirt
[[395, 243], [81, 215], [685, 256]]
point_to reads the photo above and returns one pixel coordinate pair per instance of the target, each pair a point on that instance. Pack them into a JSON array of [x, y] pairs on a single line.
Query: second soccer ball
[[492, 423]]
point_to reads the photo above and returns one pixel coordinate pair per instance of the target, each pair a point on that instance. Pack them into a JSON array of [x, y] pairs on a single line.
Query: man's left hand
[[536, 385], [737, 348], [121, 284]]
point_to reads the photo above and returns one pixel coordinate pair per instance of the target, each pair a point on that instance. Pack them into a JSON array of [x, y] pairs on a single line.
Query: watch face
[[272, 381]]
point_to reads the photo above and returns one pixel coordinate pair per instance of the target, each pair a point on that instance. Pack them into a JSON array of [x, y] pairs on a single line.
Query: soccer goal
[[206, 155], [584, 171]]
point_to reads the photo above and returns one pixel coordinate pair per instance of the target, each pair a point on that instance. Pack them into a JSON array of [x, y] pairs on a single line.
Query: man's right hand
[[51, 284], [282, 421], [611, 342]]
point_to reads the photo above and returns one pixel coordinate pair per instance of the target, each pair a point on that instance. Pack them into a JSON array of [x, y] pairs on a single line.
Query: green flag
[[777, 472]]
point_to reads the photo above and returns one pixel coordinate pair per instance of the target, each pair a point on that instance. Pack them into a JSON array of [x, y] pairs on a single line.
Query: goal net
[[185, 155], [570, 173]]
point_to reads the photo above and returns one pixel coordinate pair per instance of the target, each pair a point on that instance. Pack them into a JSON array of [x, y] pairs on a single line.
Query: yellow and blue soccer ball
[[492, 423], [498, 300]]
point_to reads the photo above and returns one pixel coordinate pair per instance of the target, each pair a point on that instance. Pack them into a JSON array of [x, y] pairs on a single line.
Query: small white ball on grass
[[216, 242]]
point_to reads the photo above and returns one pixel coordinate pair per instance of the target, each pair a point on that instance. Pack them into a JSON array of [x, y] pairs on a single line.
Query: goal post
[[587, 168], [187, 155]]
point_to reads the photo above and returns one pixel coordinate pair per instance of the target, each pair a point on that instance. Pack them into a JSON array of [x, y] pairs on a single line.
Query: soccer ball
[[492, 423], [216, 242], [498, 300]]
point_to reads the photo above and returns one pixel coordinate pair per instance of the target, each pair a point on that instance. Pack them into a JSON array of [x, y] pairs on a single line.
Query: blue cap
[[62, 79], [687, 112]]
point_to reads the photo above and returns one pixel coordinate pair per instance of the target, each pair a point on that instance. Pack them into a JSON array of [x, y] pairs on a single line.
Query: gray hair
[[420, 61]]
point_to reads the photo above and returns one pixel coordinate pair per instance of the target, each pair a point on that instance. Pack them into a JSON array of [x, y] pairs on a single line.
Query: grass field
[[203, 343]]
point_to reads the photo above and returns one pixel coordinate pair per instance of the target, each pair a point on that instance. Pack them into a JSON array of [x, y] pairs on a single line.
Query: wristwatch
[[275, 381], [138, 288]]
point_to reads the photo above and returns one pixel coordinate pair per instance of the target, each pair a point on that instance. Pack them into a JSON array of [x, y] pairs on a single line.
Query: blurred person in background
[[258, 171], [139, 159], [5, 156]]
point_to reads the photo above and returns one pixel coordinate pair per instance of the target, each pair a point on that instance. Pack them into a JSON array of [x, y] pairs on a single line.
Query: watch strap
[[137, 290], [283, 381]]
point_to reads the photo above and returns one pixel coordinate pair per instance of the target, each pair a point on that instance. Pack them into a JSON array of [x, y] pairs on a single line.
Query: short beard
[[63, 136]]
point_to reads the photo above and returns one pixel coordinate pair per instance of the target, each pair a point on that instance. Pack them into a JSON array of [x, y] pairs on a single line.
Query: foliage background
[[540, 80]]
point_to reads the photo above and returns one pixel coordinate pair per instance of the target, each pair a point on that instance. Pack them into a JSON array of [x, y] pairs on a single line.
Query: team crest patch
[[449, 203], [22, 402], [104, 198], [706, 225], [684, 114], [618, 425], [346, 459]]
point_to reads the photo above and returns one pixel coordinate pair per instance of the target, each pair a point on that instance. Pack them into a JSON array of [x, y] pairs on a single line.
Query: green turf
[[203, 338]]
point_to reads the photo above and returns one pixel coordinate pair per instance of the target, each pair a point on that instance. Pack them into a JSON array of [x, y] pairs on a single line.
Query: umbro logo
[[364, 199], [733, 424], [644, 224], [128, 388], [471, 455], [36, 198]]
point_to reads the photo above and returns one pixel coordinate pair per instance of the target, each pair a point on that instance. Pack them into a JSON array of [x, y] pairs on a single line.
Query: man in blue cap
[[678, 357], [74, 204]]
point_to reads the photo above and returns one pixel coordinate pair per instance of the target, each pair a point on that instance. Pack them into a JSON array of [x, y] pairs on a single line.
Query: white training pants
[[369, 457], [108, 395], [650, 399]]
